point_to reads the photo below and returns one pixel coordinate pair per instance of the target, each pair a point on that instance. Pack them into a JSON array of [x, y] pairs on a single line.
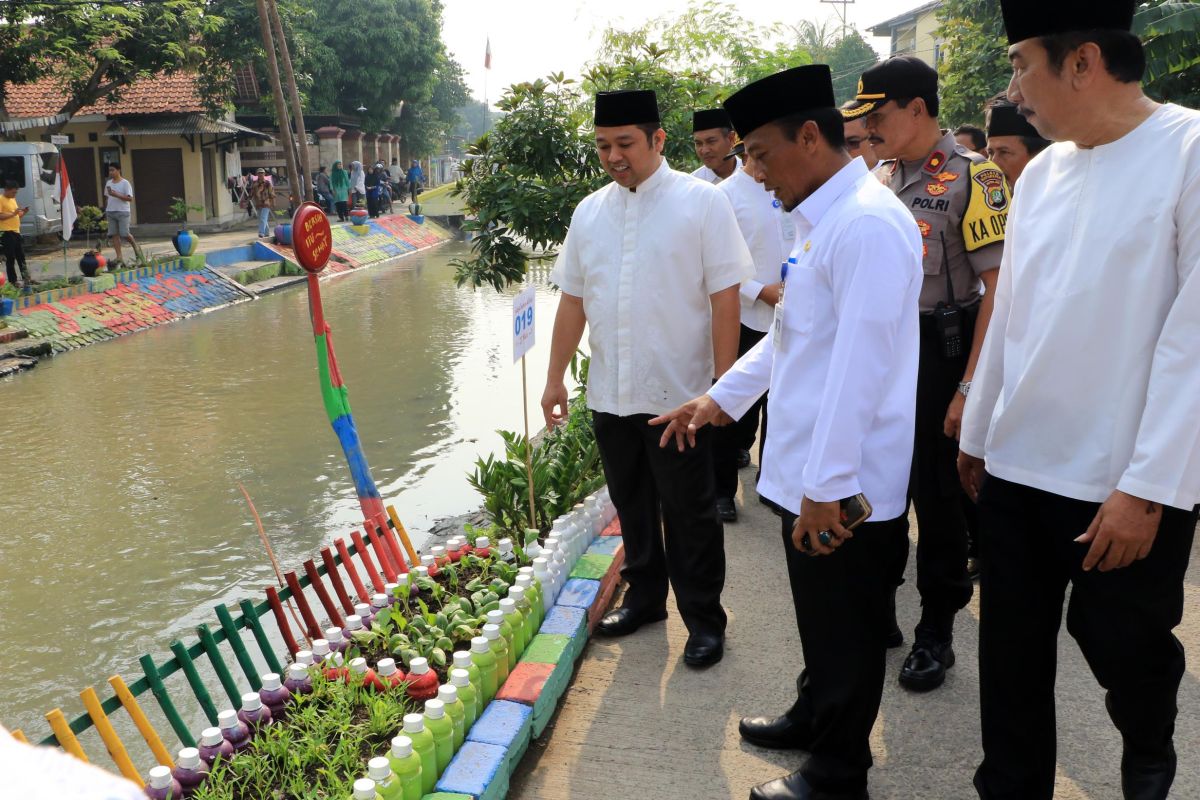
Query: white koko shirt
[[769, 233], [843, 376], [645, 263], [708, 176], [1089, 378]]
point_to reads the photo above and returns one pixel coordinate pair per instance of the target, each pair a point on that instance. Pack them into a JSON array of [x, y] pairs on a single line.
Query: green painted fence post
[[214, 655], [239, 648], [164, 701], [193, 678], [260, 636]]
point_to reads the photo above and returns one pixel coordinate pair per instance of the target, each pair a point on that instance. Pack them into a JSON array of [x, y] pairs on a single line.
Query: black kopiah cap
[[901, 77], [711, 118], [626, 107], [780, 95], [1003, 119], [1026, 19]]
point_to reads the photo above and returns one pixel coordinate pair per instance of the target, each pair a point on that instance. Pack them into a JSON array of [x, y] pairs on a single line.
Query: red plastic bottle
[[362, 675], [389, 673]]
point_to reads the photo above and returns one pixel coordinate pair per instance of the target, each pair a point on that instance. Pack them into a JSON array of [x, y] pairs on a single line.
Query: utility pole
[[842, 15], [289, 75], [281, 111]]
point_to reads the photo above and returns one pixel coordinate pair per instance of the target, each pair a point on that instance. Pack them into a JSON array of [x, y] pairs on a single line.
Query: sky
[[532, 38]]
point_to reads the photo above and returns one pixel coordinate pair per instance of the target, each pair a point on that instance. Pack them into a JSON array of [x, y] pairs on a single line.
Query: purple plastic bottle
[[354, 624], [321, 649], [367, 614], [378, 602], [299, 680], [189, 770], [337, 642], [213, 745], [162, 785], [253, 712], [234, 730], [274, 695], [304, 657]]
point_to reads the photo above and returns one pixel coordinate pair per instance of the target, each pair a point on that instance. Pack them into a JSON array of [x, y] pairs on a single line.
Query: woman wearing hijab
[[358, 183], [339, 183], [372, 183]]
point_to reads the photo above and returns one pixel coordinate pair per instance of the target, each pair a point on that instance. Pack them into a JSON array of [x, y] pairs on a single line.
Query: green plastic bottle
[[407, 767], [456, 711], [533, 593], [507, 632], [424, 747], [364, 789], [514, 620], [485, 660], [522, 614], [462, 660], [468, 695], [500, 648], [386, 782], [442, 728]]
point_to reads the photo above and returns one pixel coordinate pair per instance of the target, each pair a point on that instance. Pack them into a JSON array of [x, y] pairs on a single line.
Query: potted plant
[[90, 220], [185, 241]]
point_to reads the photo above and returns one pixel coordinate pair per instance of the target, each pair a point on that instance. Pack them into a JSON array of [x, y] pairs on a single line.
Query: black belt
[[972, 309]]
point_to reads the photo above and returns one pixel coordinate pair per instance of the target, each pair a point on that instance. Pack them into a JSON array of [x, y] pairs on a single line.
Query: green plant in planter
[[179, 209], [90, 219]]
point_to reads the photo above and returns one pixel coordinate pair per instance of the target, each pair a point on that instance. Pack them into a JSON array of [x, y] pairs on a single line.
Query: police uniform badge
[[937, 159], [946, 177], [986, 216], [925, 228], [992, 181], [936, 189]]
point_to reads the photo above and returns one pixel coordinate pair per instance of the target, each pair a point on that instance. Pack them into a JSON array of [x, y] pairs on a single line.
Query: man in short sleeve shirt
[[960, 203], [652, 265]]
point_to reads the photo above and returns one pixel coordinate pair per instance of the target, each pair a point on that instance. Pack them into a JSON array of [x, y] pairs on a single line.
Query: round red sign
[[312, 238]]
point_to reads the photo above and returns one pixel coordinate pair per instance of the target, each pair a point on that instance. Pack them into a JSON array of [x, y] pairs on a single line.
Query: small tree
[[179, 209], [89, 220]]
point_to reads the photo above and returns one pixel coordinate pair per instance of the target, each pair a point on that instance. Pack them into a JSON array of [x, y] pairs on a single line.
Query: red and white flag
[[487, 55], [66, 199]]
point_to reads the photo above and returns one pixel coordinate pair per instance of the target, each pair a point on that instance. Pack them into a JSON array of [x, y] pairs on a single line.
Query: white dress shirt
[[843, 376], [1089, 376], [645, 263], [769, 233], [708, 176]]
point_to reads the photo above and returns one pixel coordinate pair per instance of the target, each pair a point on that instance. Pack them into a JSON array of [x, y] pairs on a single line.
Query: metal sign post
[[523, 340]]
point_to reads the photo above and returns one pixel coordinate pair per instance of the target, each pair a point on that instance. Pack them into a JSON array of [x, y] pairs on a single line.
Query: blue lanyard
[[783, 271]]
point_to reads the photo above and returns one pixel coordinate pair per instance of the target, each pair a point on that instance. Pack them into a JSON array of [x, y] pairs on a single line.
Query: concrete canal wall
[[112, 305]]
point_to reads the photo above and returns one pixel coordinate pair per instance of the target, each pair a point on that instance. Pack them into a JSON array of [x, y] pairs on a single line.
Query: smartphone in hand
[[855, 511]]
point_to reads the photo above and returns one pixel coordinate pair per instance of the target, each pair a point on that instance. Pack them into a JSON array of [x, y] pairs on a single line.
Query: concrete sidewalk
[[638, 724]]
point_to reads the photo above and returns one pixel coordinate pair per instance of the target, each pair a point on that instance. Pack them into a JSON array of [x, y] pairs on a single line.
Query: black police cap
[[1026, 19], [710, 118], [626, 107], [898, 78], [780, 95]]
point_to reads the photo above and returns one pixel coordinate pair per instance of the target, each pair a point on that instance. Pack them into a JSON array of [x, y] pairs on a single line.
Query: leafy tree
[[1171, 33], [976, 65], [847, 54], [424, 126], [94, 50]]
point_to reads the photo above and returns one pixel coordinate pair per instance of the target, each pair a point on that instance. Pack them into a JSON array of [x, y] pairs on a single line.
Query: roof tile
[[160, 94]]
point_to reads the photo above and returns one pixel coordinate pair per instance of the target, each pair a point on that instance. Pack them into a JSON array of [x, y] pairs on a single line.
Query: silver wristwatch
[[964, 388]]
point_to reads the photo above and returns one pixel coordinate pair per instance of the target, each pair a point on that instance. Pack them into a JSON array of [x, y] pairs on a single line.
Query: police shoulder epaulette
[[935, 163]]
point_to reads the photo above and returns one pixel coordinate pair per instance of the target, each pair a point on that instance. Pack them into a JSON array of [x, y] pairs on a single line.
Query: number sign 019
[[523, 318]]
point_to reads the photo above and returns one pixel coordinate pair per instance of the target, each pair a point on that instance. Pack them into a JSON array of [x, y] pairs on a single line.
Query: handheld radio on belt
[[949, 315]]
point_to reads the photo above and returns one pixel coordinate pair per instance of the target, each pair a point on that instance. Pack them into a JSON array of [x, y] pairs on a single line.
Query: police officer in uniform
[[960, 202]]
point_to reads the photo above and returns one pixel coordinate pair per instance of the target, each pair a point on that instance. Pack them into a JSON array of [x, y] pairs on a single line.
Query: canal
[[122, 520]]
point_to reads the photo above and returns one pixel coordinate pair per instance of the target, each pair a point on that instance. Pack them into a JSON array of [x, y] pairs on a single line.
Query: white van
[[34, 166]]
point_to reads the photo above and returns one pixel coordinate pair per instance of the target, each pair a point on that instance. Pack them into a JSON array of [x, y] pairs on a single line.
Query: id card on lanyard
[[777, 324]]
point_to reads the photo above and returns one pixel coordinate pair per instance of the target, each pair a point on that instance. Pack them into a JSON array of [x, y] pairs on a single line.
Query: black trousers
[[944, 512], [1122, 621], [669, 524], [342, 212], [740, 435], [841, 604], [14, 254]]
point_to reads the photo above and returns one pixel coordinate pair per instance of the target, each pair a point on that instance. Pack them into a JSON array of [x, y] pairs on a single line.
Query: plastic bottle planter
[[7, 305], [283, 233], [90, 264], [358, 217], [185, 242]]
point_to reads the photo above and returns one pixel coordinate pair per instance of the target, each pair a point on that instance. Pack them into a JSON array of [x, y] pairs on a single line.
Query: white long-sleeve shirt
[[1089, 378], [645, 263], [843, 376], [707, 175], [770, 234]]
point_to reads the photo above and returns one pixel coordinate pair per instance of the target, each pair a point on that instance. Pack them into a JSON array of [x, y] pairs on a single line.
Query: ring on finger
[[825, 538]]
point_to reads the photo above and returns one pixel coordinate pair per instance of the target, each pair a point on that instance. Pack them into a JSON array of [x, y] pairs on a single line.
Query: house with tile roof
[[159, 134], [915, 33]]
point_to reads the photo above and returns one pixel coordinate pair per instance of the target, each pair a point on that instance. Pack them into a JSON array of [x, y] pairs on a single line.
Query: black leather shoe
[[795, 787], [1147, 778], [743, 460], [775, 733], [703, 649], [726, 510], [925, 668], [624, 620], [973, 568]]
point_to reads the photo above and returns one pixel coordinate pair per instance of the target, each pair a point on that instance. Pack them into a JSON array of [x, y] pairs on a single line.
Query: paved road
[[637, 724]]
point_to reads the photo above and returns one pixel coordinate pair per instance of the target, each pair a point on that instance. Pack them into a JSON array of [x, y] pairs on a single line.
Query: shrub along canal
[[123, 522]]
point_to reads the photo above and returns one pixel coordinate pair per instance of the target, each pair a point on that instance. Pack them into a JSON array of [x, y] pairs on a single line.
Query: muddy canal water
[[121, 521]]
